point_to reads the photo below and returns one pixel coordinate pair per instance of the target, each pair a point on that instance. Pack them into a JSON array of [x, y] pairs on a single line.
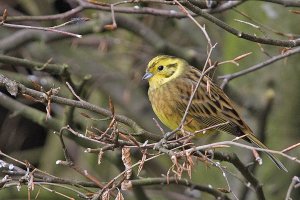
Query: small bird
[[171, 83]]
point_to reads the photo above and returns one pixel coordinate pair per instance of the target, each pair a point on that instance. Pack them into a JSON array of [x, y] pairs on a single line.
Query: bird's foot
[[163, 142]]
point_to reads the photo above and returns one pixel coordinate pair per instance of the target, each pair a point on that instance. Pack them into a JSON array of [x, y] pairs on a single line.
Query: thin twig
[[41, 29], [290, 148], [96, 196], [229, 77], [295, 180], [246, 36], [73, 92], [212, 145]]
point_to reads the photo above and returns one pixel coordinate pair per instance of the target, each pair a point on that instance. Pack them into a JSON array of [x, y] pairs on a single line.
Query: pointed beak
[[147, 75]]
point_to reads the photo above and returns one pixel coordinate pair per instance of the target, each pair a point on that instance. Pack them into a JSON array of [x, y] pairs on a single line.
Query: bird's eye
[[160, 67]]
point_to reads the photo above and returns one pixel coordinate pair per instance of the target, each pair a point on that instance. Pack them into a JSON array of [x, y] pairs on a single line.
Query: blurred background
[[109, 62]]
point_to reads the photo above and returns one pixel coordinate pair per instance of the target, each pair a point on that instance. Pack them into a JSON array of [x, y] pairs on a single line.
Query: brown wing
[[211, 106], [214, 107]]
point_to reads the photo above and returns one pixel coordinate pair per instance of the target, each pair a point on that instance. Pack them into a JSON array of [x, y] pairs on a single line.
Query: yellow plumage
[[172, 81]]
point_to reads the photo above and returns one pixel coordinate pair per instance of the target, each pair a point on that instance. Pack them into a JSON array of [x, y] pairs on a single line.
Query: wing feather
[[211, 107]]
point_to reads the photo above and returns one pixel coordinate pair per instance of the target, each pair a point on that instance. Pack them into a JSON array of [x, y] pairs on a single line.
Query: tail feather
[[255, 141]]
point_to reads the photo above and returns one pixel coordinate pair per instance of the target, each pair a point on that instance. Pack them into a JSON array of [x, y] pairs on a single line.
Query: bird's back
[[210, 105]]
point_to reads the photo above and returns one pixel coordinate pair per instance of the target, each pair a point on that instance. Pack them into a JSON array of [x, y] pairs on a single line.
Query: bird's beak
[[147, 75]]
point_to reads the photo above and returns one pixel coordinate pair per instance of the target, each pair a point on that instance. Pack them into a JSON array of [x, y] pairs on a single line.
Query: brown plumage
[[172, 81]]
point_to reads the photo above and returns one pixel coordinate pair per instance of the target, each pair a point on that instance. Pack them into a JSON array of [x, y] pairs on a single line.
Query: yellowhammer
[[172, 81]]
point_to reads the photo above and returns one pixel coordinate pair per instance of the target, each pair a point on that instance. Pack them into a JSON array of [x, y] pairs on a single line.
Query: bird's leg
[[167, 136], [210, 153], [162, 142]]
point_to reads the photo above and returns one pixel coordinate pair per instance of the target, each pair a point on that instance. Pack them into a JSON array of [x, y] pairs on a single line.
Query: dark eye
[[160, 67]]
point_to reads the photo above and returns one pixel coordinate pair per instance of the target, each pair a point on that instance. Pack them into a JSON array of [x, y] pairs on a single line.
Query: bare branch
[[227, 78], [226, 27]]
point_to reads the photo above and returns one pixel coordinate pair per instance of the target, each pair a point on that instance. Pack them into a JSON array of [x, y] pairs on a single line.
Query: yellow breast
[[163, 107], [165, 101]]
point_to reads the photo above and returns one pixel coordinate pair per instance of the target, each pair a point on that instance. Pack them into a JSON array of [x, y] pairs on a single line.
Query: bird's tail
[[255, 141]]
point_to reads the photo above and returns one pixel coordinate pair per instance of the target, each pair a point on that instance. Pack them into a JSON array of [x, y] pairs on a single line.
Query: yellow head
[[162, 69]]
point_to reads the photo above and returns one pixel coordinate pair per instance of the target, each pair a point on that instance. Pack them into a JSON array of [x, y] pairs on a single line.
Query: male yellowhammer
[[172, 81]]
